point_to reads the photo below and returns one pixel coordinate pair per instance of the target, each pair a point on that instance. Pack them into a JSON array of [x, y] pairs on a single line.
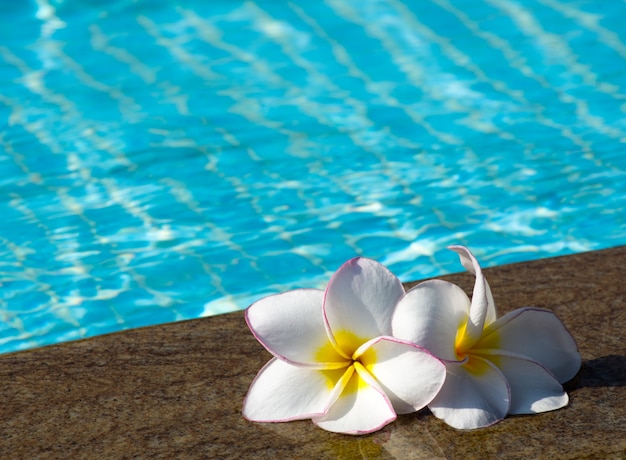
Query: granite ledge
[[175, 390]]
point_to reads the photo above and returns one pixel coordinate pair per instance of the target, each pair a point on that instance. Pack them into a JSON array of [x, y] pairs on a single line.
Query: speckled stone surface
[[175, 391]]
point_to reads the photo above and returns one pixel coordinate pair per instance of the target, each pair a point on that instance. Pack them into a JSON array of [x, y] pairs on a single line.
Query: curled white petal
[[409, 375], [474, 395], [290, 325], [537, 334], [430, 315], [282, 391], [360, 298], [482, 310]]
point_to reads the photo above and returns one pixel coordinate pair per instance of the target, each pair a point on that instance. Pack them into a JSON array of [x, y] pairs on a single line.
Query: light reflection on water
[[161, 162]]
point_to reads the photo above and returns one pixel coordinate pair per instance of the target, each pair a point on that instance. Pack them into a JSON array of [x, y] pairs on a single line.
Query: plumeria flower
[[335, 361], [511, 365]]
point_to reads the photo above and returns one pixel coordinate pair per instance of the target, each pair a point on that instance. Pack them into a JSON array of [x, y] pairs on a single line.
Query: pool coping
[[176, 390]]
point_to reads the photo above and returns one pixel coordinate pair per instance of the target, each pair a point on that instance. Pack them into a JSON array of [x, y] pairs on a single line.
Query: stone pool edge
[[175, 390]]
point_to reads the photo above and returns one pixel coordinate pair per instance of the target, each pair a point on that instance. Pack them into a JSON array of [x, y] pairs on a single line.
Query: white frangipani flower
[[511, 365], [334, 358]]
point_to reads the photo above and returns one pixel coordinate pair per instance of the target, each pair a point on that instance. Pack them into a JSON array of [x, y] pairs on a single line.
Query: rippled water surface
[[163, 160]]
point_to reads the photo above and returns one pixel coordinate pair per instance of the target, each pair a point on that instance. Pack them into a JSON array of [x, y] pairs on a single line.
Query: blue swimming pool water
[[163, 160]]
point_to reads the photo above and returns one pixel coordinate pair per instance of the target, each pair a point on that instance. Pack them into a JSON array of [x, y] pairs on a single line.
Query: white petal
[[430, 315], [291, 325], [537, 334], [409, 375], [474, 395], [282, 391], [361, 408], [483, 310], [491, 306], [533, 388], [359, 302]]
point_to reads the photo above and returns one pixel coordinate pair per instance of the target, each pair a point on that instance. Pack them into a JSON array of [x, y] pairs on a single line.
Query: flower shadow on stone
[[606, 371]]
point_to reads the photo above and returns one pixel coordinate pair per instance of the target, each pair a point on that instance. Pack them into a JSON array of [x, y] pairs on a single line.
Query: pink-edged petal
[[361, 408], [430, 315], [474, 395], [409, 375], [533, 388], [359, 302], [482, 310], [291, 326], [537, 334], [282, 391]]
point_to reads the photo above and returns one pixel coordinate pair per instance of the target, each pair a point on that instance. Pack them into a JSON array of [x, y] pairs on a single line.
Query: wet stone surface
[[176, 390]]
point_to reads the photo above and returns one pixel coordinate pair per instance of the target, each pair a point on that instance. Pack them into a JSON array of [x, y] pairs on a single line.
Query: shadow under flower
[[606, 371]]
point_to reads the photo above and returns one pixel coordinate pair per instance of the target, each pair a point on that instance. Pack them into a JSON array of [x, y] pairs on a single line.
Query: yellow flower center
[[476, 366], [474, 363], [349, 372], [459, 349]]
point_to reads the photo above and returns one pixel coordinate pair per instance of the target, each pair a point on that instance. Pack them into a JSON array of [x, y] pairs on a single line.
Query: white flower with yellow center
[[511, 365], [335, 361]]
